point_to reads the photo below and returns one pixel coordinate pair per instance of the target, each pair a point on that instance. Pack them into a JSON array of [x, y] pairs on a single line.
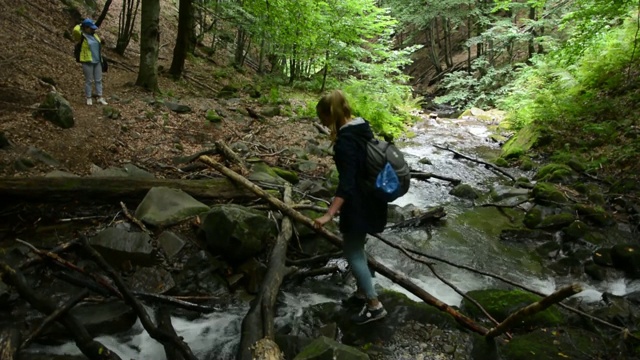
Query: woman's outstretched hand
[[319, 222]]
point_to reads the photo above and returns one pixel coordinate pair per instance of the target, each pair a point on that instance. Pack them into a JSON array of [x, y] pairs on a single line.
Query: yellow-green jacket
[[85, 52]]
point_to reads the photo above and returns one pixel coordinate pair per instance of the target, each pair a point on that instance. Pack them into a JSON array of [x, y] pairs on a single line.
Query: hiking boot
[[102, 101], [368, 315], [89, 101], [356, 299]]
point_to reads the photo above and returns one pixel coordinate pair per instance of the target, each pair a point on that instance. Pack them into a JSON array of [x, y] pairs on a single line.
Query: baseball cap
[[89, 23]]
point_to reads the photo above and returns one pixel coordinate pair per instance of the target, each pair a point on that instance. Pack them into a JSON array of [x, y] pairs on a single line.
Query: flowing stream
[[470, 236]]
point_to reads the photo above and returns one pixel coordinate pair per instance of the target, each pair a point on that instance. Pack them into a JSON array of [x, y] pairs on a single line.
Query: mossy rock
[[533, 218], [502, 303], [547, 194], [566, 266], [262, 172], [333, 177], [528, 137], [549, 344], [626, 257], [290, 176], [576, 230], [548, 248], [576, 165], [595, 271], [502, 162], [554, 173], [464, 191], [594, 214], [595, 237], [556, 221], [602, 257], [212, 116], [325, 348], [526, 164]]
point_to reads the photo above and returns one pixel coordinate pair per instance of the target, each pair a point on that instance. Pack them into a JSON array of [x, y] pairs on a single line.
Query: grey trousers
[[92, 74]]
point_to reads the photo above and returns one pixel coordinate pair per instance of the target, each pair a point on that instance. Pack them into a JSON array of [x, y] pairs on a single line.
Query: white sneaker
[[89, 101], [101, 101]]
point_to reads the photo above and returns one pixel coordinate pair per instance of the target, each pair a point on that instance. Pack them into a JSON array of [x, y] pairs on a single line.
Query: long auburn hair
[[334, 111]]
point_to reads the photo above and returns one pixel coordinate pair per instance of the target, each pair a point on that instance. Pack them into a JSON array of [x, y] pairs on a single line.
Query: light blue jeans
[[353, 248], [92, 73]]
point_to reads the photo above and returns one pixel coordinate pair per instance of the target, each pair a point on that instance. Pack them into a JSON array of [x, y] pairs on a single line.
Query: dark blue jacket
[[360, 213]]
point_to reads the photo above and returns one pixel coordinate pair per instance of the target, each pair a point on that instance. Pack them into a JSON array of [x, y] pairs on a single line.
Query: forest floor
[[35, 53]]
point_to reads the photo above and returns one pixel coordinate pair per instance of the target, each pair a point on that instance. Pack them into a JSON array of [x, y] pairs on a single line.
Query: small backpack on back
[[388, 174]]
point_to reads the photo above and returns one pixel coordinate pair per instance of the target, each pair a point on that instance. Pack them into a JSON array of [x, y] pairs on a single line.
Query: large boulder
[[57, 109], [235, 232], [164, 206]]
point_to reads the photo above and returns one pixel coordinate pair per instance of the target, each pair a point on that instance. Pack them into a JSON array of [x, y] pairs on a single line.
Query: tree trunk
[[448, 57], [325, 71], [9, 342], [149, 45], [433, 47], [126, 23], [100, 189], [104, 12], [240, 42], [184, 39], [259, 321]]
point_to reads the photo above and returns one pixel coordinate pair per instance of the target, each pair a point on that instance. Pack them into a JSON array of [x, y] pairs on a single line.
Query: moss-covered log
[[101, 189]]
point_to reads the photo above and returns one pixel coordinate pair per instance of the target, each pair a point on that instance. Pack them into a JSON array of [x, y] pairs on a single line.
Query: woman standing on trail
[[91, 58], [359, 213]]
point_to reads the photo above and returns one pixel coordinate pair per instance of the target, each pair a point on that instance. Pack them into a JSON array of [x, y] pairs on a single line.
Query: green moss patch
[[553, 344]]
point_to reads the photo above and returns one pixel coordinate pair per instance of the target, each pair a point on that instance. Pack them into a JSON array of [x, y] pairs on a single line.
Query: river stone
[[171, 243], [313, 188], [594, 215], [200, 275], [290, 176], [556, 221], [626, 257], [163, 206], [575, 231], [556, 173], [464, 191], [324, 348], [100, 319], [595, 271], [603, 257], [501, 192], [57, 109], [119, 246], [153, 280], [547, 194], [235, 232]]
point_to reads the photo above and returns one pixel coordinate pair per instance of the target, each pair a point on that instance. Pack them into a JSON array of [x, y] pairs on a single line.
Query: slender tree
[[126, 24], [149, 45], [184, 39], [104, 12]]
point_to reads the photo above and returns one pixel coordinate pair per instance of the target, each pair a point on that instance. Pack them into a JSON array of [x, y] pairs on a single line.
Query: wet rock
[[171, 243], [594, 215], [153, 280], [177, 108], [547, 194], [550, 249], [501, 192], [398, 214], [595, 271], [556, 173], [200, 275], [525, 235], [619, 310], [566, 266], [100, 319], [603, 257], [425, 161], [23, 164], [502, 303], [325, 348], [464, 191], [313, 188], [544, 344], [532, 218], [164, 206], [235, 232], [626, 257], [575, 231], [57, 110], [556, 221], [119, 246]]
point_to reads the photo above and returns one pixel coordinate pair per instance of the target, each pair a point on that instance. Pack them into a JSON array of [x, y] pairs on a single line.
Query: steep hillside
[[37, 58]]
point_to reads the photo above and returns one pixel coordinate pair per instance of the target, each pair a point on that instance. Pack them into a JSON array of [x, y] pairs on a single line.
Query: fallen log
[[259, 321], [419, 175], [164, 323], [430, 216], [534, 308], [9, 341], [393, 275], [91, 348], [103, 189], [486, 164]]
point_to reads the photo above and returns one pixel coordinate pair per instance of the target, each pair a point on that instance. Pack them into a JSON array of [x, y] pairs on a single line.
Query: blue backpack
[[388, 175]]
